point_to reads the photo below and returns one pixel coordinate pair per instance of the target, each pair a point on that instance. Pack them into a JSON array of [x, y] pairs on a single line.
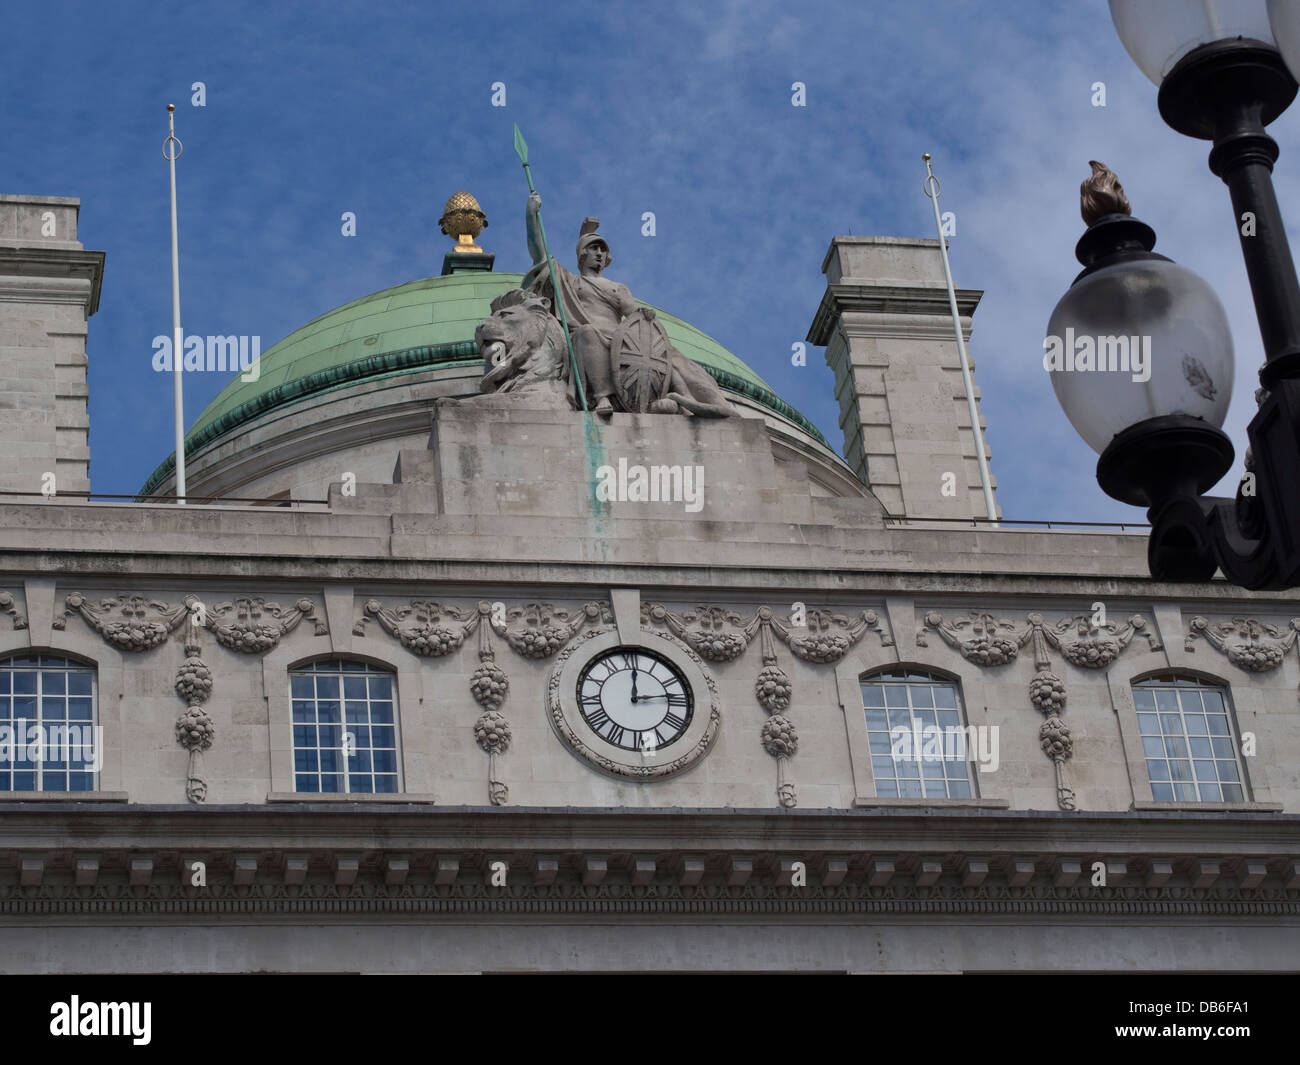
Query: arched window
[[920, 745], [1189, 740], [344, 728], [48, 735]]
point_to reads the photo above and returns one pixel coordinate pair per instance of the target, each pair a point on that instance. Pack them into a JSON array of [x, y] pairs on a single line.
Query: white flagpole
[[932, 189], [177, 337]]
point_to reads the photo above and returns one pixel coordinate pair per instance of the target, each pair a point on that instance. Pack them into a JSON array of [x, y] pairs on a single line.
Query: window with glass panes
[[344, 728], [47, 722], [921, 703], [1188, 740]]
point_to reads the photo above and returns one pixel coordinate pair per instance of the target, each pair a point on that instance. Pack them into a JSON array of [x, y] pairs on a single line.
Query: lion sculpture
[[522, 345]]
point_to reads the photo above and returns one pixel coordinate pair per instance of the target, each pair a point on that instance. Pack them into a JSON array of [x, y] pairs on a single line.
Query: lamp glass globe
[[1137, 340]]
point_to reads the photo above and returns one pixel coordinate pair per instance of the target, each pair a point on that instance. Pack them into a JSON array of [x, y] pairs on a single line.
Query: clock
[[635, 699], [639, 706]]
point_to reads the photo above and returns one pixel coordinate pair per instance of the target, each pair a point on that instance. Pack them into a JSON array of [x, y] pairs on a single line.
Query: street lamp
[[1221, 78]]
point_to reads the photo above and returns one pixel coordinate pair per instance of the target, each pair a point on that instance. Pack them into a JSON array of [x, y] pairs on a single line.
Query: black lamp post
[[1222, 78]]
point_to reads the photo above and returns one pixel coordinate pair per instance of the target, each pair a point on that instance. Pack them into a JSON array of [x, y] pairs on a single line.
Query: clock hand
[[634, 698]]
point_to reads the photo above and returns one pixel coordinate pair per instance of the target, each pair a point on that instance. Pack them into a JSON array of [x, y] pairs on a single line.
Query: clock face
[[635, 699]]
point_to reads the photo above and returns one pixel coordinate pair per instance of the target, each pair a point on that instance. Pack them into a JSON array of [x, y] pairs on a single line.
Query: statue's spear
[[521, 149]]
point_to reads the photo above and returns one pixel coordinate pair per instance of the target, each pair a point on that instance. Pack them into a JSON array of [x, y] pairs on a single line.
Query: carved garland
[[534, 630], [489, 685], [134, 629], [135, 623], [194, 729], [722, 635], [255, 626], [986, 640], [1249, 644]]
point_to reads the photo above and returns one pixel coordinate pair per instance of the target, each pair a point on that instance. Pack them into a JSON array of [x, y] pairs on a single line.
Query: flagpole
[[521, 149], [932, 190], [174, 144]]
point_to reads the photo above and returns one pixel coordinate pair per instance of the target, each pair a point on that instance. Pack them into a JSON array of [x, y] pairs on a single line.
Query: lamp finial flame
[[1102, 194]]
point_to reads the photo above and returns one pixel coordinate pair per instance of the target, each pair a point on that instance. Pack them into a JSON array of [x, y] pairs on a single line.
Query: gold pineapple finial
[[1101, 194], [463, 219]]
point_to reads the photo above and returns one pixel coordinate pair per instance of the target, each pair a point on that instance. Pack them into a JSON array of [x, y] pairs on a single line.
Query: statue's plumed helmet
[[588, 236]]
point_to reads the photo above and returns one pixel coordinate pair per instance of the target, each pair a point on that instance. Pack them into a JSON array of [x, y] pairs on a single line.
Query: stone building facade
[[357, 733]]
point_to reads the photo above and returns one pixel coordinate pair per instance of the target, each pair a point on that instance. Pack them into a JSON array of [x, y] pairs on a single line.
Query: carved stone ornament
[[712, 632], [424, 628], [129, 623], [9, 606], [780, 739], [539, 630], [574, 732], [773, 689], [980, 637], [829, 635], [720, 635], [1047, 692], [1095, 646], [1249, 644], [987, 640], [490, 686], [1054, 738], [492, 734], [194, 680], [251, 625], [194, 729]]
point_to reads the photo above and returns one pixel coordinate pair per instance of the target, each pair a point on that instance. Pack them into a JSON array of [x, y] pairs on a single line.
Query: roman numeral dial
[[635, 699]]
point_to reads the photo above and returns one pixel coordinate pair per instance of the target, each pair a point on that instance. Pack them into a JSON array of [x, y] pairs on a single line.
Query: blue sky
[[683, 109]]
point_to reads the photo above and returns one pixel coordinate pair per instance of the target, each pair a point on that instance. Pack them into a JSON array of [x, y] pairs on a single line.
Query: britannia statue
[[622, 352]]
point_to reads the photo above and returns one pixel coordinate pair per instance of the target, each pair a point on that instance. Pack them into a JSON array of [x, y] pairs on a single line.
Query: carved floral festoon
[[137, 623], [1083, 640], [539, 630], [534, 630], [1249, 644], [431, 629], [987, 640], [1095, 645], [981, 638], [423, 627], [128, 622], [251, 625], [722, 635]]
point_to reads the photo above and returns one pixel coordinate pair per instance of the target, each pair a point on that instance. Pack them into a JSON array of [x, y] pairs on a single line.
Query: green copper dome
[[413, 327]]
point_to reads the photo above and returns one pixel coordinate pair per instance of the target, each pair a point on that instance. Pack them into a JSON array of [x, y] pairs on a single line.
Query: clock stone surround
[[567, 720]]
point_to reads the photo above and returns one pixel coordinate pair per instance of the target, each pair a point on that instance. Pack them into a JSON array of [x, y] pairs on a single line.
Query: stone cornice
[[898, 299], [29, 262], [315, 859], [574, 577], [921, 829]]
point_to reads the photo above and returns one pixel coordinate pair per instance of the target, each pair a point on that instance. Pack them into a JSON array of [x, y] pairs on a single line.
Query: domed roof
[[409, 328]]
